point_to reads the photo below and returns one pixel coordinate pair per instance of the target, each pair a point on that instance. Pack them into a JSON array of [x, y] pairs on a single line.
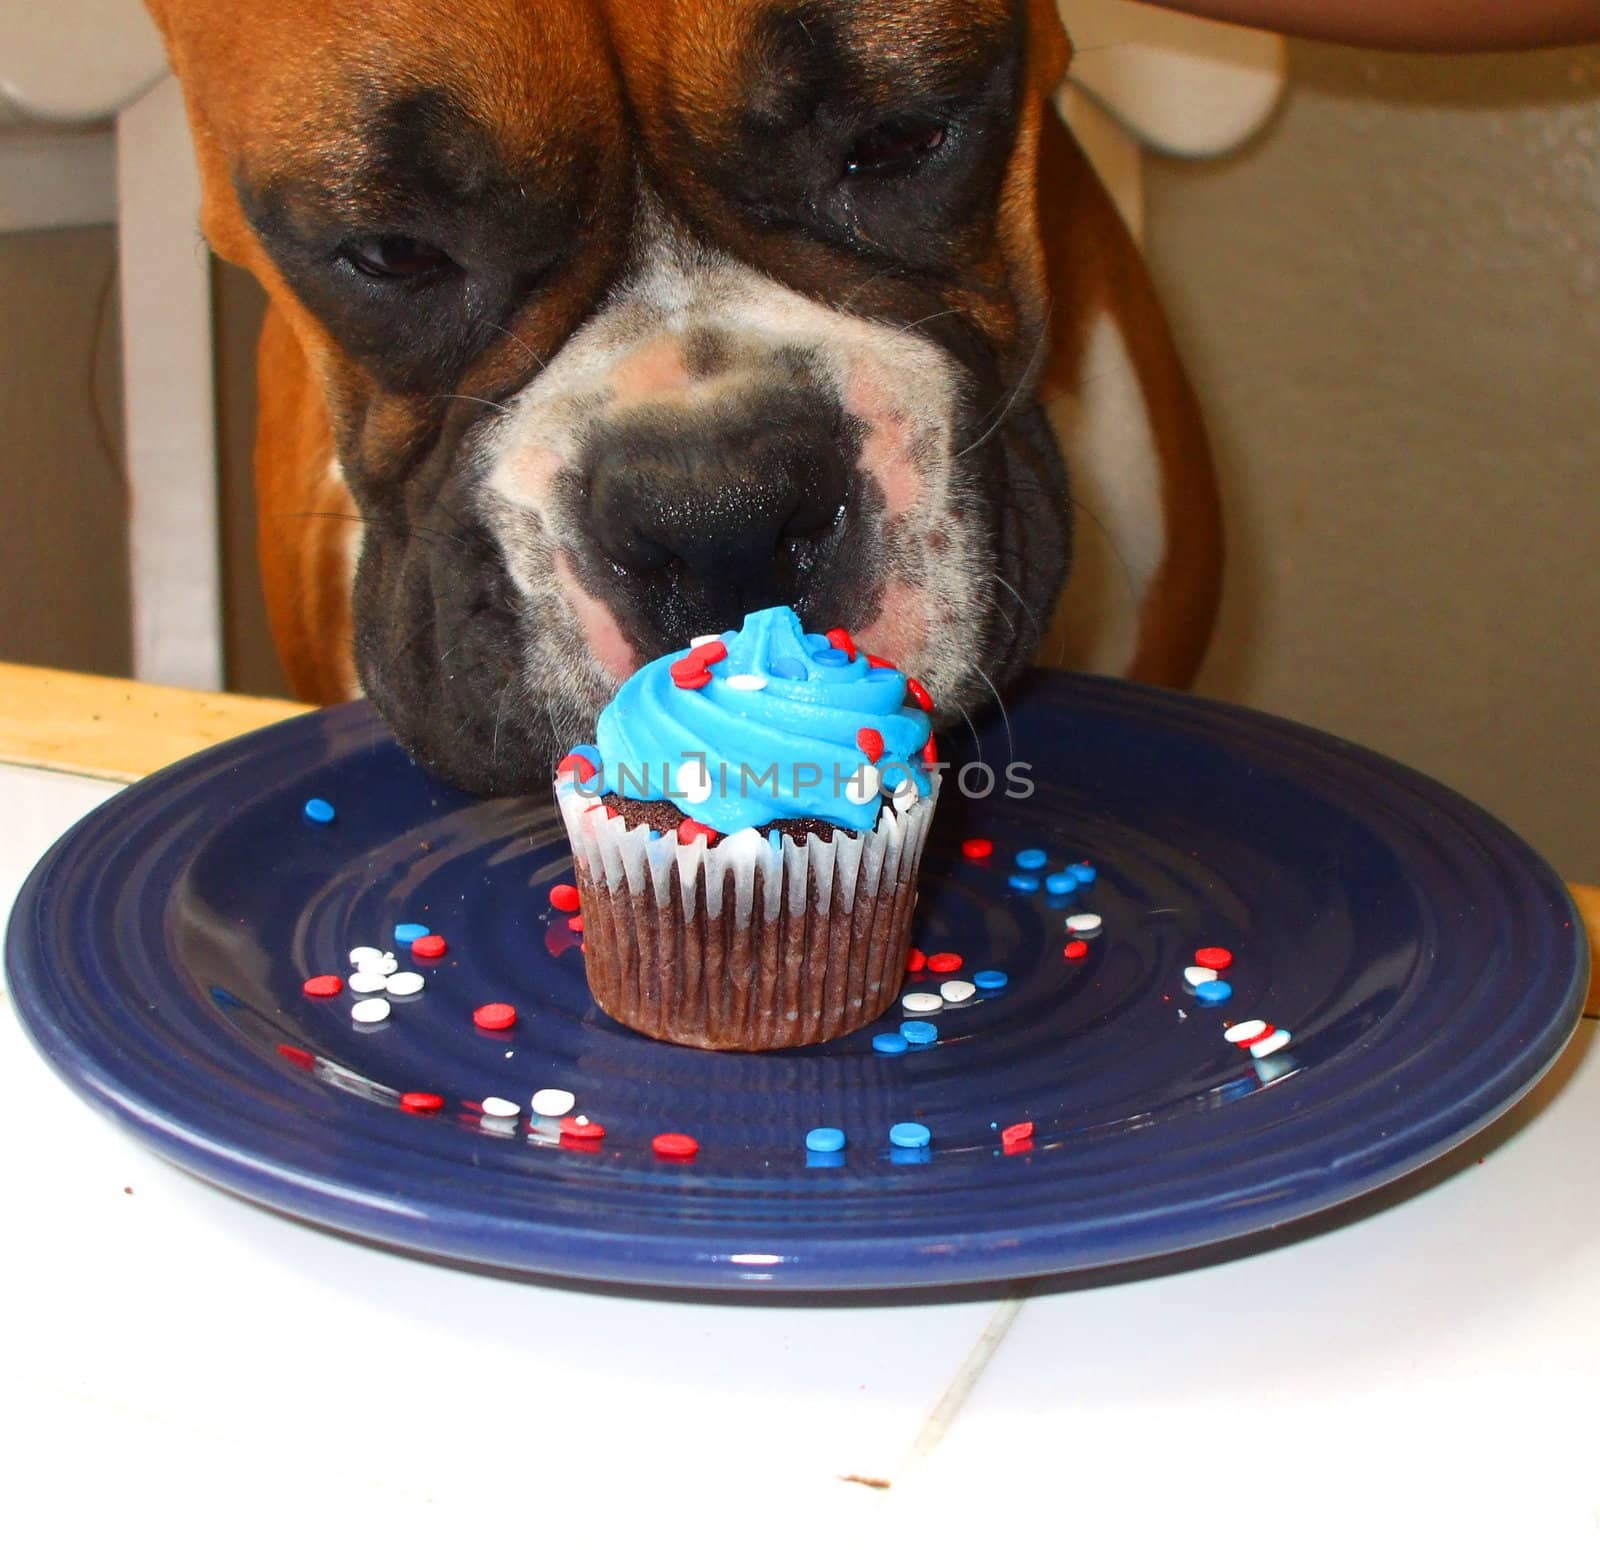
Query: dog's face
[[635, 315]]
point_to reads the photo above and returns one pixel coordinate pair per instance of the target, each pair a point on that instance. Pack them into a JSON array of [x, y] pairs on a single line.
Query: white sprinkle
[[693, 781], [703, 640], [553, 1102], [360, 957], [501, 1108], [864, 786], [406, 983], [1271, 1044], [1243, 1033], [921, 1001], [366, 982], [957, 991], [1195, 975], [905, 795], [373, 1011], [747, 681], [1083, 923]]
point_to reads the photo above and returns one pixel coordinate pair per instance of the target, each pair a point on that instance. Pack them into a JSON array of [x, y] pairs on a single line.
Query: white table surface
[[175, 1358]]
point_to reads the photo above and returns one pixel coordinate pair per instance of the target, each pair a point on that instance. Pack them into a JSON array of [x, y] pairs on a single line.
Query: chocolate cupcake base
[[755, 943]]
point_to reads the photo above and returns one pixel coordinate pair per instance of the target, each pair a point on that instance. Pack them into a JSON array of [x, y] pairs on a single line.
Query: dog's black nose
[[711, 516]]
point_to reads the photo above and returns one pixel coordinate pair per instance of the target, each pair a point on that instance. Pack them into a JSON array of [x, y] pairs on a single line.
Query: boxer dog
[[595, 324]]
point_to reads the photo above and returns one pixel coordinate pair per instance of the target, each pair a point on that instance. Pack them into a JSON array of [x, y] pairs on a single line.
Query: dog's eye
[[396, 258], [892, 147]]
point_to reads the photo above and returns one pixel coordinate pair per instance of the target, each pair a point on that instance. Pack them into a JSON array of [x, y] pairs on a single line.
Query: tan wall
[[1391, 308]]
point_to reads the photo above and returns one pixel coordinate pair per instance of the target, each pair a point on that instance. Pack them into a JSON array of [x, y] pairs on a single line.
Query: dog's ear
[[1049, 47], [220, 218], [1049, 54]]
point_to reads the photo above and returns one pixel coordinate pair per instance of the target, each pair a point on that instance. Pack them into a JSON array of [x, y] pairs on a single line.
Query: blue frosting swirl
[[773, 735]]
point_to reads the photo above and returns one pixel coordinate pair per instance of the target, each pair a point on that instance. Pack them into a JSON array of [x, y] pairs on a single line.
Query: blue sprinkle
[[319, 811], [831, 656], [919, 1033], [817, 642], [589, 752], [991, 979], [1023, 883], [408, 932], [1031, 860], [786, 667], [889, 1043], [825, 1139], [1085, 873], [909, 1133], [1061, 882], [655, 834], [1213, 992]]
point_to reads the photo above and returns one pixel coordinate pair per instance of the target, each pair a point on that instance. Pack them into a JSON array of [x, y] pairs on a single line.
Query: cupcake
[[746, 829]]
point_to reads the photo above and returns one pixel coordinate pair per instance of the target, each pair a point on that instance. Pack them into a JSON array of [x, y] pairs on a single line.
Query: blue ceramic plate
[[1426, 962]]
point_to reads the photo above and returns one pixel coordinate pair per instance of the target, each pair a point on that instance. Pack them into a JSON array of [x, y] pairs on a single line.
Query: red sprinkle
[[575, 923], [919, 694], [421, 1103], [870, 741], [712, 651], [1266, 1033], [690, 673], [1213, 957], [873, 661], [586, 1130], [430, 947], [673, 1144], [916, 961], [977, 849], [945, 963], [689, 831], [840, 637], [323, 985], [495, 1016], [1021, 1131], [576, 763], [1075, 949], [564, 897], [297, 1056], [930, 751]]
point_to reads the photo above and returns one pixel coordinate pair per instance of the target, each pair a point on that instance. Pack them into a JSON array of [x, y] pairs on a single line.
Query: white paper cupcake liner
[[749, 944]]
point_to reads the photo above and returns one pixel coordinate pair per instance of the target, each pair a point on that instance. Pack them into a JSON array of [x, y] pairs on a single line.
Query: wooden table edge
[[114, 728]]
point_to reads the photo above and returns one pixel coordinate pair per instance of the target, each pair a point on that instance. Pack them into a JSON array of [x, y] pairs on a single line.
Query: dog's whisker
[[1005, 718], [1023, 383], [932, 317], [499, 716], [970, 725], [517, 339], [458, 538], [1022, 602], [469, 398]]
